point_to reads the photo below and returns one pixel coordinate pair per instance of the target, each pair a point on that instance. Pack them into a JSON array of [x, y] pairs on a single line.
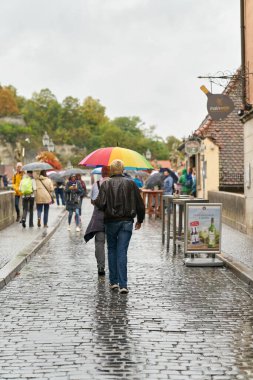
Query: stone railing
[[7, 208], [233, 208]]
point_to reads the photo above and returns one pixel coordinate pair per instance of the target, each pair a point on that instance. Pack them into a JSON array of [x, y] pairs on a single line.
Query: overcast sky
[[139, 57]]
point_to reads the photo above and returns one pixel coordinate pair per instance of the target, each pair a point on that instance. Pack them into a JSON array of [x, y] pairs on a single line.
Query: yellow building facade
[[207, 168]]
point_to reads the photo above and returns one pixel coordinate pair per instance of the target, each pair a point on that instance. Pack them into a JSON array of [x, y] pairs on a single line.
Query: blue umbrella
[[96, 171]]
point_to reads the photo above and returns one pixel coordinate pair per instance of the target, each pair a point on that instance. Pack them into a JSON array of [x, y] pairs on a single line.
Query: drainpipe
[[243, 73]]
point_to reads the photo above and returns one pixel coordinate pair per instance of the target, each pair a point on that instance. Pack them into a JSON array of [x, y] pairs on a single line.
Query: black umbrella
[[69, 172], [173, 174], [57, 177], [155, 179]]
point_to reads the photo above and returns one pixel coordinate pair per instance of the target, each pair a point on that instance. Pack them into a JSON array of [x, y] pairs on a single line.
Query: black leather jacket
[[120, 199]]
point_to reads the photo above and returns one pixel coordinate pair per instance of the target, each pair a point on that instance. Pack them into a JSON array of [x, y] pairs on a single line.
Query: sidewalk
[[19, 244], [237, 253]]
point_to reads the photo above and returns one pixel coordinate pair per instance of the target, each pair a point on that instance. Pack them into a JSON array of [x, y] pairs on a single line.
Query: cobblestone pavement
[[15, 238], [60, 321]]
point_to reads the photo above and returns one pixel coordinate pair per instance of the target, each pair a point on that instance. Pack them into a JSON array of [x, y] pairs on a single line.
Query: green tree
[[93, 111], [128, 124], [175, 155], [42, 112]]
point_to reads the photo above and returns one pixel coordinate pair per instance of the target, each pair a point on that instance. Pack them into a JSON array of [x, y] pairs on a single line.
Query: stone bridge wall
[[233, 208], [7, 208]]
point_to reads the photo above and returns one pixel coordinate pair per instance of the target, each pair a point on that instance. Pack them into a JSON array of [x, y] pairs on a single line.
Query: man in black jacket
[[121, 202]]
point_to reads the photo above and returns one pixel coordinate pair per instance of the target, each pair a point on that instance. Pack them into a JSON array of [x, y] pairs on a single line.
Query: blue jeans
[[77, 218], [46, 210], [118, 238], [17, 198], [59, 193]]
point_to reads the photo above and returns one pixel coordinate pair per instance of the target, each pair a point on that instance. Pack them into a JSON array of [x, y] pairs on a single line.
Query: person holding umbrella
[[28, 190], [43, 196], [79, 178], [121, 202], [73, 191]]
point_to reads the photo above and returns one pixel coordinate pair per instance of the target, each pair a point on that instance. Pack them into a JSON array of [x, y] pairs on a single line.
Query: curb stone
[[240, 270], [10, 270]]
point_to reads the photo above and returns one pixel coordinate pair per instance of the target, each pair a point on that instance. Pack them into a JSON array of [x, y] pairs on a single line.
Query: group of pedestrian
[[172, 182], [32, 188], [37, 188]]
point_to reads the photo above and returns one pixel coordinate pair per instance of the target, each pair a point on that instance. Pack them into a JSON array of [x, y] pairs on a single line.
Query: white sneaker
[[78, 229], [69, 228]]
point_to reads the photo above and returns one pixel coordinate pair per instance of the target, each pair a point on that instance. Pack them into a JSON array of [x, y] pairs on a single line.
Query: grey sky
[[139, 57]]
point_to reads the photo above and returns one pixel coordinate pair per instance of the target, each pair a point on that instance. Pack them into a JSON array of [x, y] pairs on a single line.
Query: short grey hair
[[117, 167]]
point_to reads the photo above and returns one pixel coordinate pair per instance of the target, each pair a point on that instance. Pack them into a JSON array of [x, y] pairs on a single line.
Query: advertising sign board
[[192, 147], [219, 106], [203, 227]]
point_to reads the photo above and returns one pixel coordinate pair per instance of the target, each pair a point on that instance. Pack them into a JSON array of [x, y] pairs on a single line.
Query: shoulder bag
[[52, 199]]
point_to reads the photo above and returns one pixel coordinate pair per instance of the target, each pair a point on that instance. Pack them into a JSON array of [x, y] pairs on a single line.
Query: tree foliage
[[84, 125], [8, 104]]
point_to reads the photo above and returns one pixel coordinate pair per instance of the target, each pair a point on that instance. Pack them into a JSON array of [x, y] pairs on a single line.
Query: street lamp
[[148, 154], [45, 140]]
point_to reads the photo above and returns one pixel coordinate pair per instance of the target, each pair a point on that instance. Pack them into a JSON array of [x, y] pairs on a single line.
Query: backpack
[[26, 186]]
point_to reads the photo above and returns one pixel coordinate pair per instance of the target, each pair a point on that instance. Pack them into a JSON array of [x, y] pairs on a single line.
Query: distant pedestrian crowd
[[172, 182], [36, 188]]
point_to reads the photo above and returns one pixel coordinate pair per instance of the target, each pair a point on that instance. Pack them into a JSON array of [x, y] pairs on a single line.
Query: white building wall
[[248, 171]]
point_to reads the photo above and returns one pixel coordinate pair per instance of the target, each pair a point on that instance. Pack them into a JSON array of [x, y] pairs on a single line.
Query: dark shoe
[[39, 224], [101, 271], [18, 218], [45, 226], [31, 225], [123, 290], [23, 223]]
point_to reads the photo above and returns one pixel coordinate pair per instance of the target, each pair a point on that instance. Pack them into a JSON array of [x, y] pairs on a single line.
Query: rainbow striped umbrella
[[105, 156]]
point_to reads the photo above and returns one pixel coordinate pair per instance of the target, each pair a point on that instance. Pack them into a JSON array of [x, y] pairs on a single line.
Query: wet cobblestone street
[[60, 321]]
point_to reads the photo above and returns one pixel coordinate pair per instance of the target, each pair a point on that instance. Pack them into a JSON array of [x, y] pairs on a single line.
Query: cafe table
[[153, 202], [171, 203]]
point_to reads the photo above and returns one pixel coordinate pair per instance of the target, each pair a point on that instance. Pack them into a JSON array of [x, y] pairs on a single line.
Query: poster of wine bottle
[[203, 227]]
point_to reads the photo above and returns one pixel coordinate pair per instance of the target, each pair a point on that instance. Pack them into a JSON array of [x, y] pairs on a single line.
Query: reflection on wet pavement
[[59, 320]]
